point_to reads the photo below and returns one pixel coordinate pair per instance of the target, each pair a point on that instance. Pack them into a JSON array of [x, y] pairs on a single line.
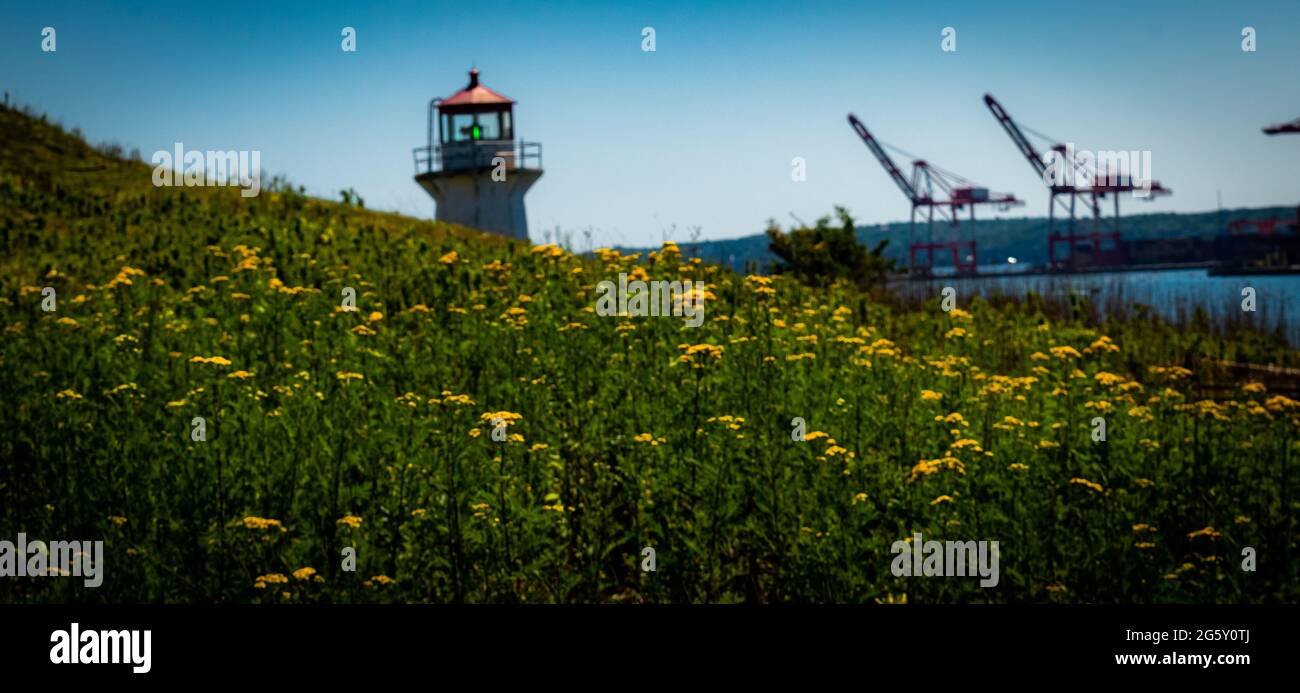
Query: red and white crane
[[1100, 183], [955, 193]]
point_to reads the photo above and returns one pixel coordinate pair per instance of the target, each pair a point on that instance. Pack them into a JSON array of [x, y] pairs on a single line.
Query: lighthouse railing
[[472, 156]]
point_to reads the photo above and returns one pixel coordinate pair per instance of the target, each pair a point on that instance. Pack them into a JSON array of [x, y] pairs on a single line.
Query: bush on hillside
[[821, 254]]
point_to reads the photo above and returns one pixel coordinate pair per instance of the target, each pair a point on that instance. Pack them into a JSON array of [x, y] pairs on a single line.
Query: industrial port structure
[[954, 193], [1245, 246]]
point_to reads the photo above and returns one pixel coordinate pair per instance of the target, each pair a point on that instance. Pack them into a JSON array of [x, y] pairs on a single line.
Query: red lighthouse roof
[[474, 94]]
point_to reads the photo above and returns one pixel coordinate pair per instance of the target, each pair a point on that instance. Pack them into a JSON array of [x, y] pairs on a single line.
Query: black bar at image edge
[[236, 642]]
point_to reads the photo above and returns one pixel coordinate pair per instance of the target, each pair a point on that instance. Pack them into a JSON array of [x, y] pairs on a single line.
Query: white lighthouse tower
[[473, 167]]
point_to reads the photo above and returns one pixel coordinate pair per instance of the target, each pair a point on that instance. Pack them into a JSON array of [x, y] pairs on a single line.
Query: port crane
[[955, 193], [1266, 227], [1100, 183]]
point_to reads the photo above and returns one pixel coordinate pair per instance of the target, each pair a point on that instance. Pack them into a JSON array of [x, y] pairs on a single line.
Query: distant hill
[[1024, 239]]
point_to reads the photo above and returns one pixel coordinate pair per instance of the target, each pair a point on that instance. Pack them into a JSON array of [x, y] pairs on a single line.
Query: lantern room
[[475, 113], [475, 120]]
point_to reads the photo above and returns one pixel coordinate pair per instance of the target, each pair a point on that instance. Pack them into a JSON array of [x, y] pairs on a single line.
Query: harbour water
[[1172, 294]]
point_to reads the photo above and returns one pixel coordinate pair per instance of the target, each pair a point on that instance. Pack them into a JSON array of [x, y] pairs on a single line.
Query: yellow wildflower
[[1065, 352], [252, 522], [1084, 482], [352, 521]]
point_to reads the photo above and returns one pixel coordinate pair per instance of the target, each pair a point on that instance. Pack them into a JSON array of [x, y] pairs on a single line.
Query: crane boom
[[1283, 128], [1026, 147], [883, 157]]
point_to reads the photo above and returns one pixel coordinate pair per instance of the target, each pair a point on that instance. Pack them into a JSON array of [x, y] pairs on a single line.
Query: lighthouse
[[475, 169]]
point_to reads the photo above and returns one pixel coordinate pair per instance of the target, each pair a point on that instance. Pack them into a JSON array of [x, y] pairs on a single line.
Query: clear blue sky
[[702, 131]]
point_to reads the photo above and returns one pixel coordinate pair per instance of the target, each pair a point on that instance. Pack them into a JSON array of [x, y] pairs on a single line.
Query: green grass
[[453, 326]]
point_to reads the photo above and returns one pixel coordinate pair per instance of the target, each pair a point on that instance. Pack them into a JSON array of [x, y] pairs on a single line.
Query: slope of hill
[[184, 381]]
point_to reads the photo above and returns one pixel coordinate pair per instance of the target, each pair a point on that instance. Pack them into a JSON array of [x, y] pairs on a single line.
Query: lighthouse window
[[506, 131], [490, 126], [462, 125]]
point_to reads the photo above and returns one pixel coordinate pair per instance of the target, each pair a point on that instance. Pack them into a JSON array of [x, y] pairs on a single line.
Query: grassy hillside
[[372, 428]]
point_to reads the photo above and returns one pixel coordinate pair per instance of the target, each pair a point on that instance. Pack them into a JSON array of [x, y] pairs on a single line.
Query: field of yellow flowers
[[327, 427]]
